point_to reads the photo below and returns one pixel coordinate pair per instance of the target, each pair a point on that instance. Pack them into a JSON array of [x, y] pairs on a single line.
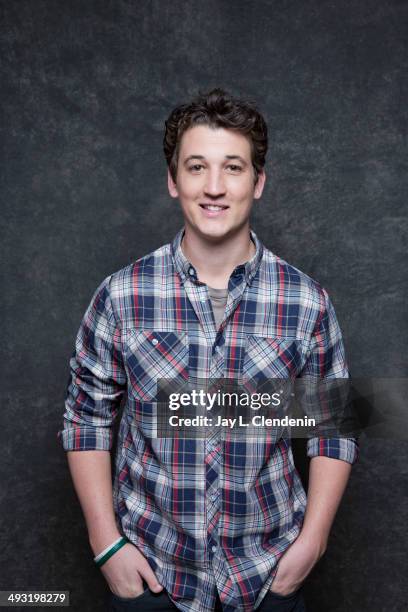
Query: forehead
[[215, 142]]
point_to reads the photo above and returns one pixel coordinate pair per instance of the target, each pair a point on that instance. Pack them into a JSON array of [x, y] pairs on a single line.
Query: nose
[[214, 185]]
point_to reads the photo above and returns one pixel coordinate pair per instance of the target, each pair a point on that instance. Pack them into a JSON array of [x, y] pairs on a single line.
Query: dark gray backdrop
[[86, 87]]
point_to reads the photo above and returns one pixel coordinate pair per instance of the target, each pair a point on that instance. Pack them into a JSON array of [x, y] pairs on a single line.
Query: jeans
[[160, 602]]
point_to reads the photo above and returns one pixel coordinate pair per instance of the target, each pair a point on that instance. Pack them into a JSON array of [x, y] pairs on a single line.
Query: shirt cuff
[[86, 438], [345, 449]]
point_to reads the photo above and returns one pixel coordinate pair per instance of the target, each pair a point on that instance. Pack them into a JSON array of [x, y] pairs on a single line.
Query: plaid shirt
[[208, 514]]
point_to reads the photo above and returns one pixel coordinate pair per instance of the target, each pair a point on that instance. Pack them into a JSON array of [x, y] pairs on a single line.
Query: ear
[[171, 185], [260, 184]]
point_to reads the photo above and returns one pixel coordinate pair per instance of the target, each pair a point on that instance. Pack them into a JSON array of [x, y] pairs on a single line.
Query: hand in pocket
[[294, 566], [125, 571]]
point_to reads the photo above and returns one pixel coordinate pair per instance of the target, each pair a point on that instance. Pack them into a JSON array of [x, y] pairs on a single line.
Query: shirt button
[[213, 497], [213, 549], [191, 271], [155, 341]]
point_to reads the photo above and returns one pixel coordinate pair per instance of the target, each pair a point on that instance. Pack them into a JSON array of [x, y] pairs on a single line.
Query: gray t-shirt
[[218, 299]]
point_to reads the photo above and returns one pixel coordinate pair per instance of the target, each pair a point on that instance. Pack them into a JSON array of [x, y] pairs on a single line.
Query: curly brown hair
[[216, 109]]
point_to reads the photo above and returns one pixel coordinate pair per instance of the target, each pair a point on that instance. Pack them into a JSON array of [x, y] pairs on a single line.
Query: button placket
[[213, 466]]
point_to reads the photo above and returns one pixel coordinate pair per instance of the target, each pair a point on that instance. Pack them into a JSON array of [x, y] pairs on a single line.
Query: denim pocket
[[130, 599], [280, 596]]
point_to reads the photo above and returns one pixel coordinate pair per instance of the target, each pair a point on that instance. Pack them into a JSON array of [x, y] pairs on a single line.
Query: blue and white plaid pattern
[[210, 514]]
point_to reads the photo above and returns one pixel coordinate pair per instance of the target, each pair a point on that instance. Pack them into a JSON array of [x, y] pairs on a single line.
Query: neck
[[215, 261]]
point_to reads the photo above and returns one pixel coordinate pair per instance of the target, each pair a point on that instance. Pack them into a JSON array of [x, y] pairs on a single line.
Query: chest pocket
[[153, 355], [266, 359]]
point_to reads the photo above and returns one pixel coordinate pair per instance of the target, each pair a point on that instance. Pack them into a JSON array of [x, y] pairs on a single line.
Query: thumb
[[151, 579]]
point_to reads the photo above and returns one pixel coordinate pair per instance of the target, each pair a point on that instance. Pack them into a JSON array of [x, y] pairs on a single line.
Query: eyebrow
[[190, 157]]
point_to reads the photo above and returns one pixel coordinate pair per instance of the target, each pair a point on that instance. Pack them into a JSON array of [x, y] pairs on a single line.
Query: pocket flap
[[155, 354]]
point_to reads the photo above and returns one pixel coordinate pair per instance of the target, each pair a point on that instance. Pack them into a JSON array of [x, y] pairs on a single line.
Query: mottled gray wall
[[86, 86]]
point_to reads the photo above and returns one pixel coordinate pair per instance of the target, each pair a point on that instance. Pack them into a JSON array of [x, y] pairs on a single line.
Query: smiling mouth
[[214, 207]]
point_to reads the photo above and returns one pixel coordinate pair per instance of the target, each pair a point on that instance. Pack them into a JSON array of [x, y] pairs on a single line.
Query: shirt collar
[[186, 270]]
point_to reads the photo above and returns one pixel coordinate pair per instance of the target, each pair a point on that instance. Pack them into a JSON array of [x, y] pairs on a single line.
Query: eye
[[196, 167], [234, 167]]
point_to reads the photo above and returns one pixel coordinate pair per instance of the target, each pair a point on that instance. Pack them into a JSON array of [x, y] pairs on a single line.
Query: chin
[[213, 234]]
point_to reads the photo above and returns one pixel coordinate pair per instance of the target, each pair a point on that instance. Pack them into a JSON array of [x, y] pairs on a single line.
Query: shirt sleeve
[[327, 360], [97, 378]]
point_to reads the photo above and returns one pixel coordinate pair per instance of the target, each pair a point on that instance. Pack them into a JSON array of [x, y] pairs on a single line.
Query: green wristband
[[112, 551]]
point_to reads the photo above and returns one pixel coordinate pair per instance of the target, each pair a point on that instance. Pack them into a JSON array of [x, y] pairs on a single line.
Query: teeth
[[210, 207]]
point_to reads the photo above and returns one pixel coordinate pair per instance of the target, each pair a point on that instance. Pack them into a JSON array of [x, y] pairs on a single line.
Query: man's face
[[215, 182]]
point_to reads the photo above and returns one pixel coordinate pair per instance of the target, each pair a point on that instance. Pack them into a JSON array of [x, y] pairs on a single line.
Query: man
[[207, 523]]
